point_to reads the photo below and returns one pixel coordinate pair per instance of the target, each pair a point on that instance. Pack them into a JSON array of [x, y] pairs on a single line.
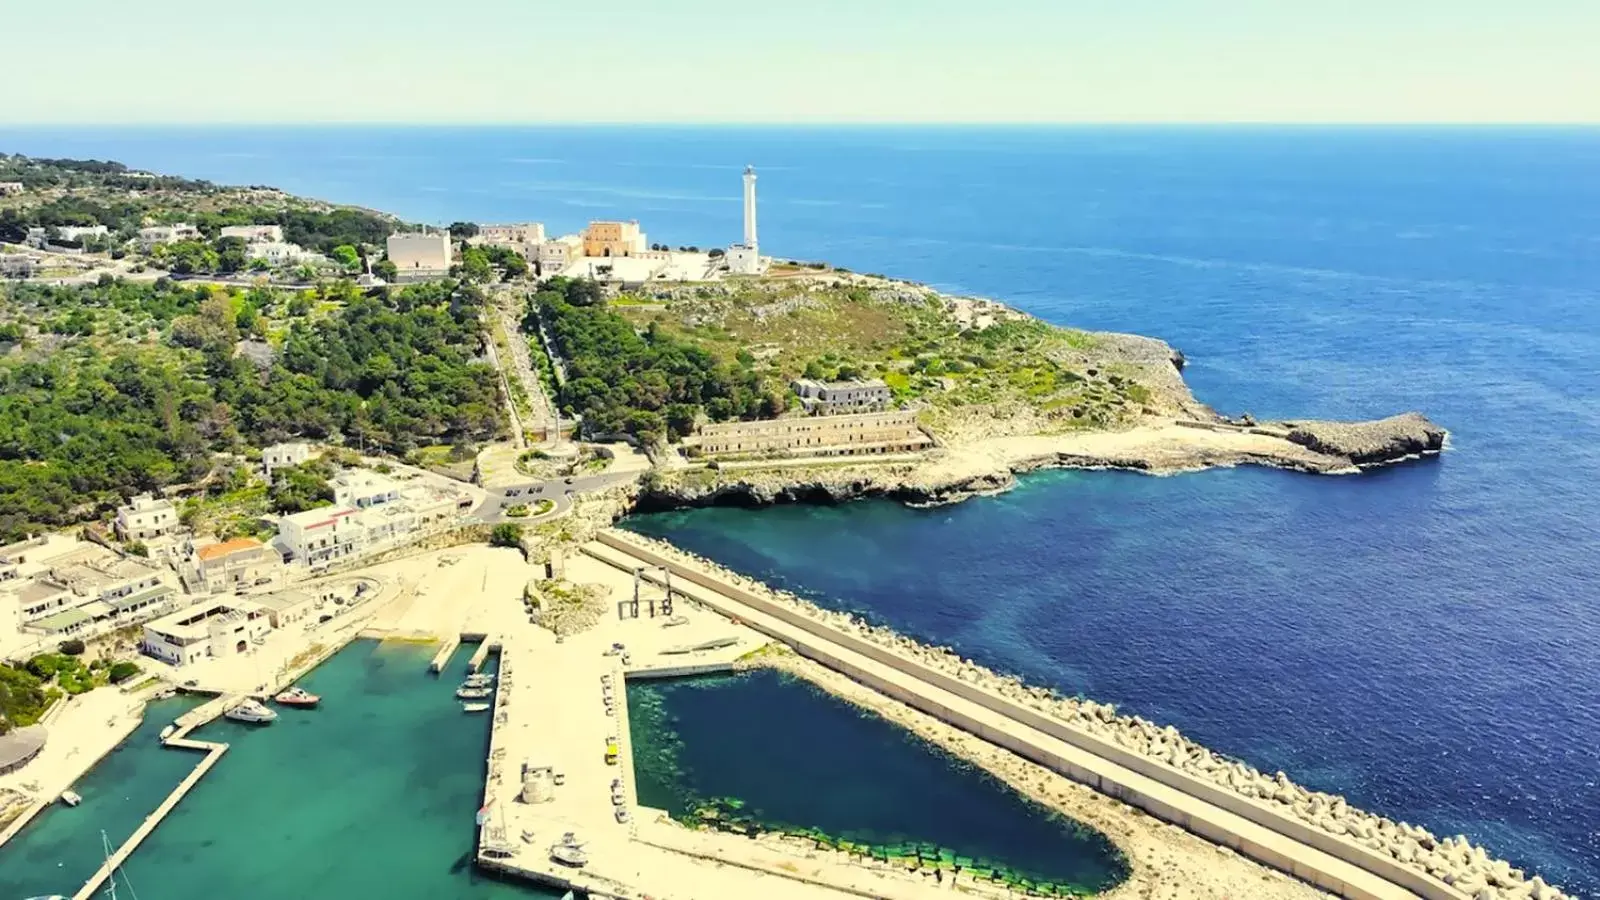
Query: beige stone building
[[842, 435], [613, 239]]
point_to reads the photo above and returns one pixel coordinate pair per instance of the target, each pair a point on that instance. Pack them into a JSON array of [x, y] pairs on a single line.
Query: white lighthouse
[[745, 258]]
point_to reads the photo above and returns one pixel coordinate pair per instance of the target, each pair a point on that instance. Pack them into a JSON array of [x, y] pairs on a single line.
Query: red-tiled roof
[[227, 548]]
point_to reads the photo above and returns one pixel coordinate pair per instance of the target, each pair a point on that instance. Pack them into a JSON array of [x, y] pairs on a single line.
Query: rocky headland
[[988, 465]]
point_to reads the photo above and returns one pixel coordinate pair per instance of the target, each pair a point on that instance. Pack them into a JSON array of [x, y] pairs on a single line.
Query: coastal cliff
[[989, 466]]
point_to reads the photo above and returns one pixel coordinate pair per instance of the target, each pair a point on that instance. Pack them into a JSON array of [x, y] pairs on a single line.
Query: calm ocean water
[[1423, 639], [824, 764]]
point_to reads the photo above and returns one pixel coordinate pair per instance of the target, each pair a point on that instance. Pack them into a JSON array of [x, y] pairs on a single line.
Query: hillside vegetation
[[112, 389], [970, 373]]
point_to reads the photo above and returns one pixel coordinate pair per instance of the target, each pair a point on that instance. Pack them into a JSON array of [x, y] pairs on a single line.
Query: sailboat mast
[[111, 876]]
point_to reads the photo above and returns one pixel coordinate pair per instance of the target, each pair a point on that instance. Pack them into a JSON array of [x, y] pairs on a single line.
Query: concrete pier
[[481, 655], [446, 650]]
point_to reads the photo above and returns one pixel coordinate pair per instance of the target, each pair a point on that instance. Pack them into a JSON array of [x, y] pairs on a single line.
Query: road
[[560, 490]]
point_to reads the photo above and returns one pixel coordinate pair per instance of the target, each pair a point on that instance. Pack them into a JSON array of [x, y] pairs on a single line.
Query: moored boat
[[479, 679], [468, 692], [297, 697], [251, 712], [71, 798], [474, 707]]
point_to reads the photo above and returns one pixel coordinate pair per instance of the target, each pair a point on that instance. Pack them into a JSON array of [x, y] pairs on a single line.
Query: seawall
[[1250, 827]]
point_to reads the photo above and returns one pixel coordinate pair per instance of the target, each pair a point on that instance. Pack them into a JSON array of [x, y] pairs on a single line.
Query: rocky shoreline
[[1455, 861], [953, 474]]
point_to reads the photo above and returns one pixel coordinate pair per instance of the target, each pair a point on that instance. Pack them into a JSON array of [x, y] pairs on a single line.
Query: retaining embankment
[[1253, 829]]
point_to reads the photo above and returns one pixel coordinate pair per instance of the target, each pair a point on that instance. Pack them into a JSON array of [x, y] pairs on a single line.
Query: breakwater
[[1127, 757]]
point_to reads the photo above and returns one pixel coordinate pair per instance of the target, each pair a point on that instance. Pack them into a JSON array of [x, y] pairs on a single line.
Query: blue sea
[[1424, 639]]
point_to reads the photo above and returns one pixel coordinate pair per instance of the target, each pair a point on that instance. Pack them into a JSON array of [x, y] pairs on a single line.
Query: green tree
[[122, 671], [232, 255], [346, 256], [475, 266], [506, 534]]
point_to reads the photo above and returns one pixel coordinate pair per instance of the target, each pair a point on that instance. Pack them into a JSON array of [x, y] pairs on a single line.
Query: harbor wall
[[1111, 769], [716, 668]]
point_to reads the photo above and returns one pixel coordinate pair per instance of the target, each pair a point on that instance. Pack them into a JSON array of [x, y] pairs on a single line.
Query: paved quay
[[550, 713]]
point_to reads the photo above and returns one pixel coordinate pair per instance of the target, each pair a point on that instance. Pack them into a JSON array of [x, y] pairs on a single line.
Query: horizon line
[[807, 123]]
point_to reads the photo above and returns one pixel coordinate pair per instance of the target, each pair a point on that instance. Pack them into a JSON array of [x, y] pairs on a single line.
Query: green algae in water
[[370, 797], [766, 752]]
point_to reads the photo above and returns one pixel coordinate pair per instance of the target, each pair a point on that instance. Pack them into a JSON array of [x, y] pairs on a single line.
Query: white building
[[555, 255], [277, 253], [237, 565], [319, 536], [745, 258], [167, 234], [90, 590], [419, 256], [280, 456], [39, 237], [285, 608], [7, 188], [523, 238], [363, 488], [146, 517], [206, 630], [254, 234]]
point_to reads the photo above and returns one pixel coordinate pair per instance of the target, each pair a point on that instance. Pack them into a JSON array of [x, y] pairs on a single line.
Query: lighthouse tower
[[750, 207], [745, 258]]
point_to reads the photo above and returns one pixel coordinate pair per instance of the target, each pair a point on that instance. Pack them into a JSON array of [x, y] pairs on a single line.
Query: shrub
[[506, 534], [72, 647], [122, 671]]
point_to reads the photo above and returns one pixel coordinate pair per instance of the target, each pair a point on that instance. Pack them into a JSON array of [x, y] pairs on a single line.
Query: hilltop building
[[604, 239], [859, 434], [832, 397], [7, 188], [745, 258], [361, 488], [522, 238], [419, 256], [558, 253], [146, 517], [277, 253], [167, 234], [254, 234], [282, 456]]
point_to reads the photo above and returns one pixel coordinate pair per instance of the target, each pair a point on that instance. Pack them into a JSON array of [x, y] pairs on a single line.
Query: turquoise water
[[370, 796], [800, 759], [58, 851]]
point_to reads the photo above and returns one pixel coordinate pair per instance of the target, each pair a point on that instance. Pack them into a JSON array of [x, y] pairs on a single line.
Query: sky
[[1032, 61]]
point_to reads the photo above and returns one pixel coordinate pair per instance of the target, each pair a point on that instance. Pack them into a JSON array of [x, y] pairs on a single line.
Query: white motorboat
[[479, 679], [71, 798], [467, 692], [474, 707], [251, 712]]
